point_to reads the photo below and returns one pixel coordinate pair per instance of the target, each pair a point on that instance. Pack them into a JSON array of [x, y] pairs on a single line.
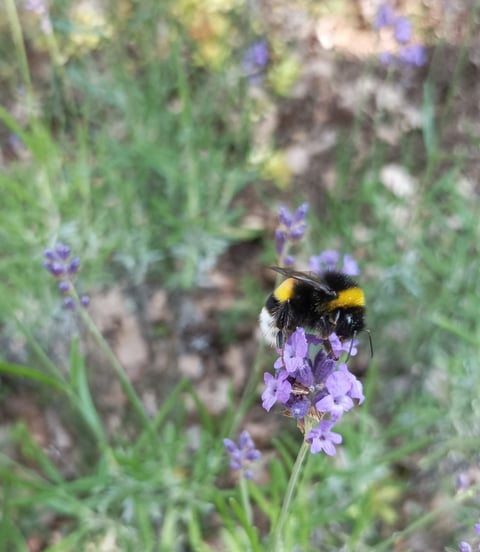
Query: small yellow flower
[[207, 23], [89, 27], [210, 32], [276, 168], [283, 74]]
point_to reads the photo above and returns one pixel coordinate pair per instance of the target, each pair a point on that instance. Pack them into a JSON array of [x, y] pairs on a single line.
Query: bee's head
[[349, 322]]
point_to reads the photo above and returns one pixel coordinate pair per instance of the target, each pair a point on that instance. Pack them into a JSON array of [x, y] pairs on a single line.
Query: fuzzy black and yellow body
[[331, 302]]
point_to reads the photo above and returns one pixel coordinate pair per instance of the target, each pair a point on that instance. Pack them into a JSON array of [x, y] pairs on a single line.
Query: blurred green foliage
[[131, 131]]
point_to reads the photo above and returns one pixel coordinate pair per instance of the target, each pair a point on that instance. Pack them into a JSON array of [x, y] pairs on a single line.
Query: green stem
[[119, 369], [278, 544], [192, 205], [247, 507]]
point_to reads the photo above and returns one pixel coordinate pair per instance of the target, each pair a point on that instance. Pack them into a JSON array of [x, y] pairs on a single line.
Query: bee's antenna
[[351, 347], [353, 339]]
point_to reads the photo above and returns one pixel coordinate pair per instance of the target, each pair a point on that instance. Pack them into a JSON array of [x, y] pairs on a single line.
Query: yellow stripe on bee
[[284, 291], [351, 297]]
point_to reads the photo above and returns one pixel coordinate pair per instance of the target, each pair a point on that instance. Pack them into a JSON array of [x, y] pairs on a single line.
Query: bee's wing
[[311, 279]]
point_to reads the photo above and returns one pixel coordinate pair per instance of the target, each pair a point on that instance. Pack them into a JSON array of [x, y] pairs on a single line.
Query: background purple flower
[[255, 61], [477, 528], [402, 30], [415, 55], [285, 216], [330, 260], [280, 240], [68, 303], [387, 58], [409, 54], [327, 260], [243, 454], [63, 268], [256, 56], [385, 16], [350, 265], [64, 286], [288, 260], [290, 230]]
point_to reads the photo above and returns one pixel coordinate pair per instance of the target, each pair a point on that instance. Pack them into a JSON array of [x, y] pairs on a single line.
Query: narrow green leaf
[[195, 534], [30, 449], [79, 382], [10, 537], [250, 530], [146, 529], [169, 531], [428, 119], [265, 506], [72, 541], [33, 374], [455, 328], [205, 417]]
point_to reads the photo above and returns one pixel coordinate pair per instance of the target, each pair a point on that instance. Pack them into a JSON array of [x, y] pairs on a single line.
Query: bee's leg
[[330, 324], [327, 324], [281, 338], [328, 348], [333, 319]]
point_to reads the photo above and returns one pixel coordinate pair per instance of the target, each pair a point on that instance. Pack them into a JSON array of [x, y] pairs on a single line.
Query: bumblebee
[[331, 302]]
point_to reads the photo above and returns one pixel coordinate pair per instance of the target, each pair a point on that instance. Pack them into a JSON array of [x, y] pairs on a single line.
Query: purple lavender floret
[[255, 61], [276, 389], [322, 438]]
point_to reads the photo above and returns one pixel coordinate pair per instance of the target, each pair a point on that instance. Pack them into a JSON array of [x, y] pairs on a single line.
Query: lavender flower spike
[[242, 454], [291, 228], [61, 266]]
